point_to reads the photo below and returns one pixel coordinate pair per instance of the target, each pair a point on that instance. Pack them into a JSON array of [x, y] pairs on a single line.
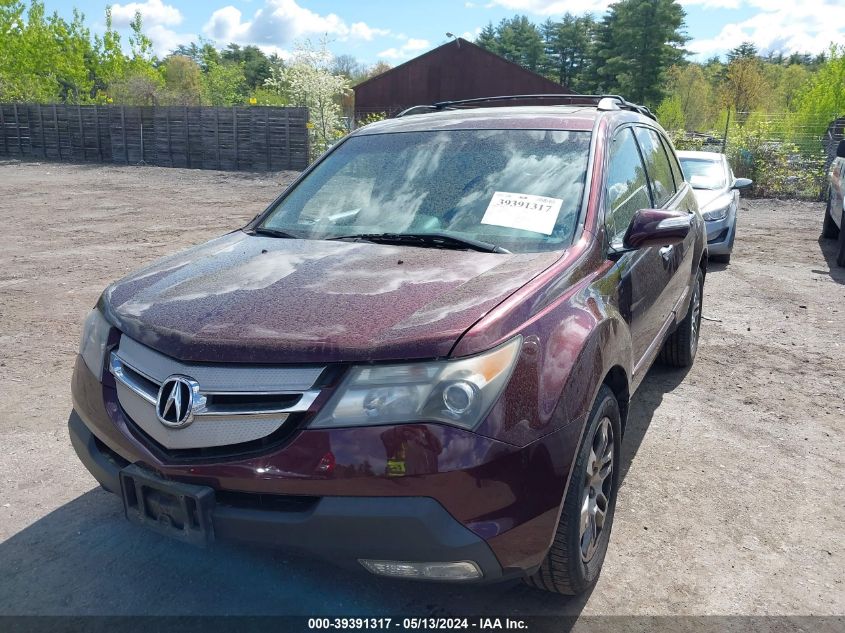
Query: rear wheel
[[721, 259], [573, 563], [829, 228], [680, 348]]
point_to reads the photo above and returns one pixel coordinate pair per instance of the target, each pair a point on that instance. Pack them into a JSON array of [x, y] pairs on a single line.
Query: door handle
[[666, 252]]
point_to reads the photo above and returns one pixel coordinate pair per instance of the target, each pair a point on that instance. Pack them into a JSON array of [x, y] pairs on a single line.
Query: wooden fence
[[237, 138]]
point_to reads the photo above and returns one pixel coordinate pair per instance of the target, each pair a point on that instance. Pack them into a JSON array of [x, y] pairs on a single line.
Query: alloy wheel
[[696, 318], [597, 489]]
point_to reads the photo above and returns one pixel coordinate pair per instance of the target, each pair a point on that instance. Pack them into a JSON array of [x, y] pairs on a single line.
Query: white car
[[716, 191], [833, 215]]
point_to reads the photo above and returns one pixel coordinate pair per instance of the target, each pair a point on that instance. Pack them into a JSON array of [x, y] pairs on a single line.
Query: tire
[[829, 228], [682, 344], [572, 565], [721, 259]]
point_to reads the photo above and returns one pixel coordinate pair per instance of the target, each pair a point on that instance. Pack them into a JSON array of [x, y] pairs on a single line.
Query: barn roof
[[456, 70]]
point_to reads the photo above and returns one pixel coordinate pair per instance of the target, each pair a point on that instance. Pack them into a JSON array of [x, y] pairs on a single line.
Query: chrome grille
[[237, 403]]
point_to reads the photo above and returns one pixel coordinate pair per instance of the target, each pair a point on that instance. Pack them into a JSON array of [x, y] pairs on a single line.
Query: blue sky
[[396, 31]]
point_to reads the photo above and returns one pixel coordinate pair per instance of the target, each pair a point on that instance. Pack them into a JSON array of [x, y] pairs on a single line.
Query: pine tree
[[637, 41], [568, 47]]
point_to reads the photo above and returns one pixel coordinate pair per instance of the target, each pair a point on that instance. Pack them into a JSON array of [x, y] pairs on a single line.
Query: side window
[[656, 165], [627, 185], [677, 172]]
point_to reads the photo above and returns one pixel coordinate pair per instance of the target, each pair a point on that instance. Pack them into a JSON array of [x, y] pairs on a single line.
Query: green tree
[[671, 114], [44, 58], [141, 82], [110, 60], [376, 69], [824, 98], [568, 45], [744, 86], [637, 41], [182, 81], [516, 39], [785, 84], [255, 64], [746, 50], [141, 45], [689, 84], [224, 84], [488, 39]]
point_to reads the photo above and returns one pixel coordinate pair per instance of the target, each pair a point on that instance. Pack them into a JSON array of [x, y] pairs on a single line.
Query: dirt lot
[[732, 500]]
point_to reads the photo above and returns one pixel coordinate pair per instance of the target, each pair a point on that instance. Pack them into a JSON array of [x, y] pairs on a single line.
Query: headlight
[[716, 214], [458, 392], [92, 348], [718, 208]]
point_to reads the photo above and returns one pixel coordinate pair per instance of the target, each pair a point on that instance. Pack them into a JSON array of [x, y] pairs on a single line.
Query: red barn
[[456, 70]]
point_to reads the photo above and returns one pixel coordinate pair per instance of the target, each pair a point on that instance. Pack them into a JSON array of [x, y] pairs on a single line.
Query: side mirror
[[742, 183], [840, 149], [656, 227]]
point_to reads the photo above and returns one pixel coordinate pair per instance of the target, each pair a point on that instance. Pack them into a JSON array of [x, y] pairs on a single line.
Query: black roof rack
[[612, 102]]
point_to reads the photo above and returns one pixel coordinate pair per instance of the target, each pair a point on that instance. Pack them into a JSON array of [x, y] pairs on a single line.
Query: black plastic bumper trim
[[339, 529]]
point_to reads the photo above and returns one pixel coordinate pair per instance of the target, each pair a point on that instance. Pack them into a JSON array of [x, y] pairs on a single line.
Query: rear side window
[[673, 163], [627, 185], [657, 166]]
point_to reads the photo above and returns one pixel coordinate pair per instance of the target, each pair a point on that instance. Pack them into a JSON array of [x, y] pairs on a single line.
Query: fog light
[[462, 570]]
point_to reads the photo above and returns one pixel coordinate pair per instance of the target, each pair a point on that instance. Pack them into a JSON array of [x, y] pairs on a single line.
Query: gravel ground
[[732, 499]]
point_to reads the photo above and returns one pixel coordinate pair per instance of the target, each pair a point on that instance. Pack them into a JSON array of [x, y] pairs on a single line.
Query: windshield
[[517, 189], [703, 173]]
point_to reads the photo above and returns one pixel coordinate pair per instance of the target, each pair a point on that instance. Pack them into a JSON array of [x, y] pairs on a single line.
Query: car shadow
[[659, 381], [85, 559], [829, 249]]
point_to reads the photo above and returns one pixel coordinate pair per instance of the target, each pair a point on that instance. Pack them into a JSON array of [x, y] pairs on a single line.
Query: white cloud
[[781, 26], [552, 7], [471, 35], [713, 4], [408, 49], [281, 22], [153, 13], [156, 18], [165, 40], [361, 30]]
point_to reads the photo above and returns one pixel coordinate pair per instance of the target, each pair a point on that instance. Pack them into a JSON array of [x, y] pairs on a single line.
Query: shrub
[[778, 168]]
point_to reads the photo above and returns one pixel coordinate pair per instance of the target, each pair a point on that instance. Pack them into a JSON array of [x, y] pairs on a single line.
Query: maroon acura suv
[[419, 359]]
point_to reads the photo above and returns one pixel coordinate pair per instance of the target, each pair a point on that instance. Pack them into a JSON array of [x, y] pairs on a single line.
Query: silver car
[[717, 193], [834, 215]]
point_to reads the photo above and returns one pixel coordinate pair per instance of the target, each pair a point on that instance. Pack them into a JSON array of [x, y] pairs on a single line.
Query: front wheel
[[574, 561], [682, 344]]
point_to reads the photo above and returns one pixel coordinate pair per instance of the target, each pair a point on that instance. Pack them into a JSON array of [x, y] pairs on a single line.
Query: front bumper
[[339, 529], [460, 496], [721, 234]]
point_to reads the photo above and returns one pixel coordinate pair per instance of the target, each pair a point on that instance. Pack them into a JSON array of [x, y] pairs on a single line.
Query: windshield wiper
[[431, 240], [263, 230]]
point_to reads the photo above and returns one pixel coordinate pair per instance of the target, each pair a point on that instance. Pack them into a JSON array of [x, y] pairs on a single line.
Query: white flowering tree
[[306, 80]]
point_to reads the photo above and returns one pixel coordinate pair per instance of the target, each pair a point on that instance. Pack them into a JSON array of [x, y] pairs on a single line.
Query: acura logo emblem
[[176, 399]]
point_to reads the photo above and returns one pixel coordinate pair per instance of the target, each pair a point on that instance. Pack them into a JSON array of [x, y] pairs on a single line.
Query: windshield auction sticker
[[523, 211]]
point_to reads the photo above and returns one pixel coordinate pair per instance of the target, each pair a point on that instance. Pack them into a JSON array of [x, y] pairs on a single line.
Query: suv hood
[[254, 299]]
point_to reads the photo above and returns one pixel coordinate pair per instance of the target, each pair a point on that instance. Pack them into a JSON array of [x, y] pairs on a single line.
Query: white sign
[[523, 211]]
